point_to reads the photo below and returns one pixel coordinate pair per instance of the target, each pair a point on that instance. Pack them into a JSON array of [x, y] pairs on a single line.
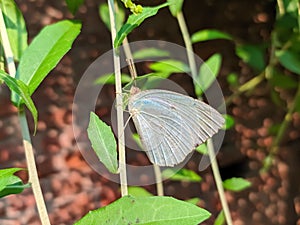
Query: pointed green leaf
[[138, 192], [170, 66], [103, 142], [208, 73], [202, 149], [209, 34], [73, 5], [154, 210], [290, 60], [21, 90], [175, 6], [15, 26], [104, 15], [14, 186], [193, 201], [229, 121], [45, 51], [181, 175], [150, 53], [253, 55], [134, 20], [7, 177], [236, 184], [110, 79], [220, 220]]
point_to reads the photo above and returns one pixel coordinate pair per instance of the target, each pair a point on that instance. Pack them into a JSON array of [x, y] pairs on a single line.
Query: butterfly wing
[[171, 125]]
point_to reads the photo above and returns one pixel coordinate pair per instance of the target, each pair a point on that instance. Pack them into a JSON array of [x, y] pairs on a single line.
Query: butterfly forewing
[[171, 125]]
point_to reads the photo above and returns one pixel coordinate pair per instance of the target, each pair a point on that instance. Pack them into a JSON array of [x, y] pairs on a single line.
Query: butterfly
[[171, 125]]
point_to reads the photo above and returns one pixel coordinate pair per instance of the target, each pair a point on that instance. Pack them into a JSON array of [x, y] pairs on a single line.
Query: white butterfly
[[170, 124]]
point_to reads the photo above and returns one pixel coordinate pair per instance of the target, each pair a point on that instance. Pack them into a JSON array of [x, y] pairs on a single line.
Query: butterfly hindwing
[[171, 125]]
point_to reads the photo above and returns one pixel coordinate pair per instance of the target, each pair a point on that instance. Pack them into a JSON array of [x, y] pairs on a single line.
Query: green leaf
[[103, 142], [137, 139], [175, 6], [209, 34], [104, 15], [21, 90], [7, 179], [181, 175], [202, 149], [289, 59], [73, 5], [193, 201], [110, 79], [220, 220], [134, 21], [150, 53], [15, 26], [154, 210], [45, 51], [232, 79], [236, 184], [170, 66], [253, 55], [138, 192], [208, 73], [229, 121], [281, 80]]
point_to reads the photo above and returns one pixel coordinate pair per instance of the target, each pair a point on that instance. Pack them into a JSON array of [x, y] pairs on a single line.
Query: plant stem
[[249, 85], [218, 179], [188, 43], [284, 125], [159, 184], [281, 8], [32, 171], [211, 151], [33, 175], [119, 102]]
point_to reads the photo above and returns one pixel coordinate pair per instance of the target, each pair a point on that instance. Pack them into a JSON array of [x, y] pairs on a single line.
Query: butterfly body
[[170, 124]]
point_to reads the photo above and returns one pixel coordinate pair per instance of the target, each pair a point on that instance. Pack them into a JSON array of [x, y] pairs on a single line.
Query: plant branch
[[218, 179], [32, 170], [119, 101], [284, 125], [158, 179], [249, 85], [211, 151]]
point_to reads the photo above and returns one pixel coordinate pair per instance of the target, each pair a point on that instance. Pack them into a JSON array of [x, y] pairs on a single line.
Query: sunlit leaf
[[15, 27], [202, 149], [103, 142], [21, 90], [149, 53], [45, 51], [209, 34], [154, 210], [207, 74], [110, 79], [7, 179], [138, 192], [181, 175], [220, 220], [134, 21], [236, 184], [229, 121]]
